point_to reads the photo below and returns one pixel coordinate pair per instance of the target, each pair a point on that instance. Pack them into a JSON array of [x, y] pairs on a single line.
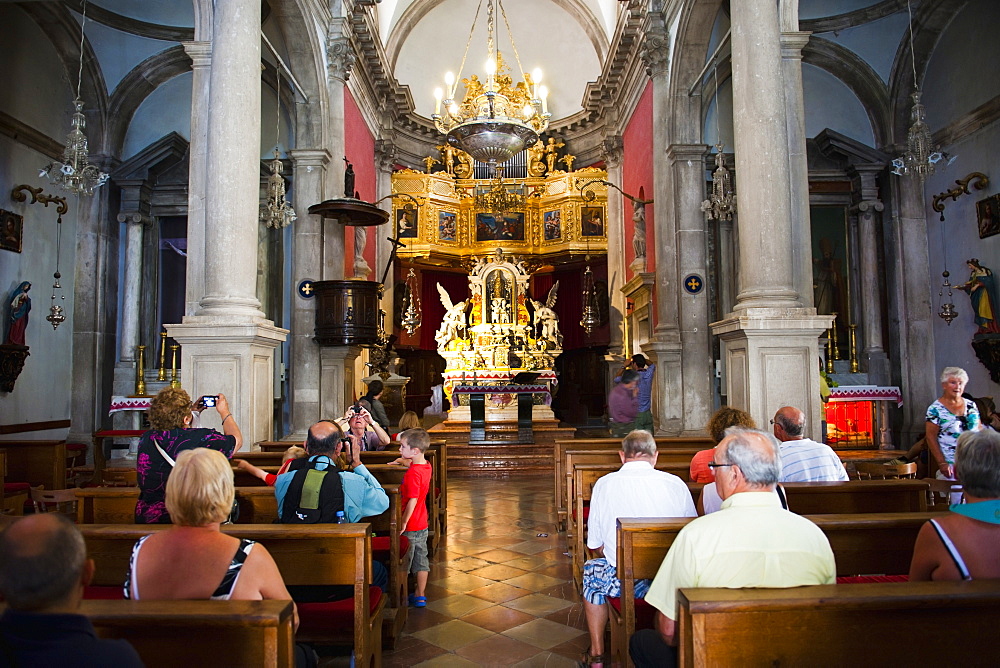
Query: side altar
[[498, 332]]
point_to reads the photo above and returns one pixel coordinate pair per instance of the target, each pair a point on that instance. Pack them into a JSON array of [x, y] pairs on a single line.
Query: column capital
[[655, 52], [199, 52], [309, 157], [134, 218], [612, 148], [385, 154], [868, 207], [682, 152], [792, 43], [339, 57]]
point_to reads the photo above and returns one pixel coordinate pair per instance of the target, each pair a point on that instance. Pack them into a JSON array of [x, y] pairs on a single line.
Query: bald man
[[751, 542], [803, 459], [43, 570]]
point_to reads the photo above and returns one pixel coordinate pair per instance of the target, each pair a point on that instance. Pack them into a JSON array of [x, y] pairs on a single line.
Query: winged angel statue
[[453, 323], [546, 320]]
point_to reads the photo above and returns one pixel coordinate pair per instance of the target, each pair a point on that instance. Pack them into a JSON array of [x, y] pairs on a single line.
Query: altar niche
[[487, 339]]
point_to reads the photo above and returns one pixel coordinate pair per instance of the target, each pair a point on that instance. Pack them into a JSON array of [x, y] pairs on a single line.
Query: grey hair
[[638, 443], [790, 425], [954, 372], [977, 463], [760, 467], [37, 581]]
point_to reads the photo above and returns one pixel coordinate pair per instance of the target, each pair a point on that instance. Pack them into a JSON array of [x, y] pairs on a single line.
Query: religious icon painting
[[553, 225], [592, 221], [988, 213], [508, 227], [406, 223], [11, 229], [447, 226]]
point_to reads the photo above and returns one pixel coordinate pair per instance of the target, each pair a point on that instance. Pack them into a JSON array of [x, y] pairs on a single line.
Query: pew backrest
[[856, 496], [38, 462]]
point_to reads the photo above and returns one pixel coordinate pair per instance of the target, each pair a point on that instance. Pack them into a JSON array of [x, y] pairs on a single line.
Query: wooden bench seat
[[864, 544], [37, 462], [168, 634], [897, 624], [328, 554]]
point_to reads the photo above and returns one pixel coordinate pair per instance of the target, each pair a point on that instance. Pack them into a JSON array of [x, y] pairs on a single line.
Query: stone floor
[[500, 590]]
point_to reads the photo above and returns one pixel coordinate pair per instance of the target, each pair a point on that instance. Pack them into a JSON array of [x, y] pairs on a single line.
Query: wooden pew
[[856, 496], [389, 474], [864, 544], [328, 554], [36, 462], [840, 625], [583, 478], [177, 633]]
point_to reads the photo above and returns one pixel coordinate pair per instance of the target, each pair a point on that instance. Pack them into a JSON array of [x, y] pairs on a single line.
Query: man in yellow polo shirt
[[751, 542]]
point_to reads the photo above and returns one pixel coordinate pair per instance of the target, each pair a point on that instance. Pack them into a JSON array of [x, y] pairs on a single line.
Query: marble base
[[336, 380], [771, 360], [234, 357]]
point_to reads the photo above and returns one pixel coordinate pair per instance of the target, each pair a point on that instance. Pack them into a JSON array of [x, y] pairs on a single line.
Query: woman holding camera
[[170, 416]]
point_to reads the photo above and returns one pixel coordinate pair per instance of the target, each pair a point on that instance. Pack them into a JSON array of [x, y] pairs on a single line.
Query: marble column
[[791, 67], [201, 63], [385, 156], [869, 209], [687, 164], [125, 371], [310, 167], [228, 345], [770, 343], [340, 62]]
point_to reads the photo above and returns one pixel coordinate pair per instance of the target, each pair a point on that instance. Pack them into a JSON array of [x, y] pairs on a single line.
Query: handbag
[[234, 514]]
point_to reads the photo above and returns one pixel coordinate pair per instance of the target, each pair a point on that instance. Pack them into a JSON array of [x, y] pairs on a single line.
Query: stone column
[[791, 68], [310, 166], [340, 62], [201, 62], [617, 242], [770, 343], [228, 345], [869, 212], [688, 171], [385, 156], [125, 371]]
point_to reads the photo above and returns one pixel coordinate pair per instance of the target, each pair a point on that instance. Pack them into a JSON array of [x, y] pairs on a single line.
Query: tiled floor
[[500, 591]]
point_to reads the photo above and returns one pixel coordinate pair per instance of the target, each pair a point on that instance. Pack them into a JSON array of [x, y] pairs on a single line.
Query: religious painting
[[11, 229], [508, 227], [406, 223], [988, 213], [830, 262], [553, 225], [447, 226], [592, 221]]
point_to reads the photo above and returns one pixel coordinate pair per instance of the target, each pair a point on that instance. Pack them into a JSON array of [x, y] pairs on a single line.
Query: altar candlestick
[[174, 380], [161, 374], [140, 375]]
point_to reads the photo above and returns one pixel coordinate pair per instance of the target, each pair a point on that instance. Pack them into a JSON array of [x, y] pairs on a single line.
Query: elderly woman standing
[[170, 417], [965, 543], [947, 418]]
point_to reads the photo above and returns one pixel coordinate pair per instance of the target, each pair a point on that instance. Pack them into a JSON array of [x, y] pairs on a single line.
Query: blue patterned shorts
[[600, 582]]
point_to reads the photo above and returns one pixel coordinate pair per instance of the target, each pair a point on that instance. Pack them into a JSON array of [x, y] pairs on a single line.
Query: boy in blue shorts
[[413, 492]]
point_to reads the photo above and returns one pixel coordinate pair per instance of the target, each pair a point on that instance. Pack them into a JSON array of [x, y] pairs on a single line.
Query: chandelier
[[276, 211], [921, 156], [496, 119], [75, 174], [721, 203], [411, 312], [591, 318], [499, 199]]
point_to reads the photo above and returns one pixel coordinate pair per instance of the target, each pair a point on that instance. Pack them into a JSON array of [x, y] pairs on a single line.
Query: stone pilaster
[[201, 63], [336, 379], [617, 274], [791, 67], [339, 63], [135, 223], [385, 156], [310, 167], [869, 209]]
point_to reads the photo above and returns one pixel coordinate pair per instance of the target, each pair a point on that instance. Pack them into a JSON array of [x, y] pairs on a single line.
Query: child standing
[[413, 492]]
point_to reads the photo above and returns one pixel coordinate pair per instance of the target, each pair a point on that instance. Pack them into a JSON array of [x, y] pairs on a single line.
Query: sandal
[[418, 601], [589, 660]]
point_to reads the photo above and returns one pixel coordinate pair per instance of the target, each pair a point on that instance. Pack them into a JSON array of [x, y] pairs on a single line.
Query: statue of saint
[[20, 305], [639, 234], [348, 179], [982, 290], [453, 323], [551, 153]]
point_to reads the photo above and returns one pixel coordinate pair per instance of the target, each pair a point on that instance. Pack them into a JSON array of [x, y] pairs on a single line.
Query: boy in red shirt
[[413, 492]]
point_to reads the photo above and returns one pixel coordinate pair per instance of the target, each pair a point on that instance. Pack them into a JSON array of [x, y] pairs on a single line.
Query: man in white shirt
[[802, 459], [637, 489]]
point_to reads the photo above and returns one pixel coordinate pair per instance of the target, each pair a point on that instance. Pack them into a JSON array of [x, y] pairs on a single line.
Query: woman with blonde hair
[[193, 559], [170, 416], [408, 420]]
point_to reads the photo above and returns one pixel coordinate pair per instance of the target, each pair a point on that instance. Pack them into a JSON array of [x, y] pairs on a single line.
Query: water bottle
[[341, 519]]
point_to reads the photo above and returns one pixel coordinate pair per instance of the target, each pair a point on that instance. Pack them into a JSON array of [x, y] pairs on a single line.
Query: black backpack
[[314, 495]]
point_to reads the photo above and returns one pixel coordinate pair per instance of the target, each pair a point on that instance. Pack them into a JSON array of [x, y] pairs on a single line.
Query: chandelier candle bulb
[[438, 93]]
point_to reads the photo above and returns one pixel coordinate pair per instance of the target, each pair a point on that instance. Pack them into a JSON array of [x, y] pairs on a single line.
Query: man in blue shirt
[[43, 570], [638, 363]]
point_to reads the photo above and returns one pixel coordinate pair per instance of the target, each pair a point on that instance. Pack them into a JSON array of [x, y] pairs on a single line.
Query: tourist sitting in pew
[[43, 570], [965, 543], [409, 420], [751, 542], [721, 420], [637, 489], [803, 459], [359, 426], [292, 453], [170, 415]]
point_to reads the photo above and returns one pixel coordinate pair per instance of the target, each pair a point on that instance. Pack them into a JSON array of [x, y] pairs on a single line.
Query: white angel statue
[[546, 320], [453, 323]]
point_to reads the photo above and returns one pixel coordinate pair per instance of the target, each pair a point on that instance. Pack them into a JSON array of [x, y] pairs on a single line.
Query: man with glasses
[[803, 459], [751, 542]]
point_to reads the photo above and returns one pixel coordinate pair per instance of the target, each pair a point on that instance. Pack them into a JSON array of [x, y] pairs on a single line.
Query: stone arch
[[694, 30]]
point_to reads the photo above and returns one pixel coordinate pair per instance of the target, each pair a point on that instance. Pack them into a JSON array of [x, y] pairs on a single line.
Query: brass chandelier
[[500, 198], [496, 119]]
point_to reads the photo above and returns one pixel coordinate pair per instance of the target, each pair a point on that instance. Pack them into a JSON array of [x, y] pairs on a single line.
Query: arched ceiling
[[568, 39]]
